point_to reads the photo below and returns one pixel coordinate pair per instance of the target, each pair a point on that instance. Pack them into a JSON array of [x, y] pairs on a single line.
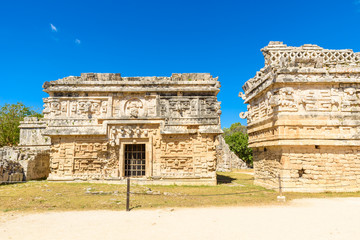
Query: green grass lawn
[[234, 189]]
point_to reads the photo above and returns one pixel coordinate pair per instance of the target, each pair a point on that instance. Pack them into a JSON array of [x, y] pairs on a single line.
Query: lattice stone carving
[[276, 52]]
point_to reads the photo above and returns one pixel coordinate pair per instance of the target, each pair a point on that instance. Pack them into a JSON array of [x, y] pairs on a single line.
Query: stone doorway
[[134, 156]]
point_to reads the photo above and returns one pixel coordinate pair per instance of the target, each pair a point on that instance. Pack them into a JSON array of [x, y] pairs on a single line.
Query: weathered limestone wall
[[226, 159], [305, 169], [35, 163], [303, 114], [31, 133]]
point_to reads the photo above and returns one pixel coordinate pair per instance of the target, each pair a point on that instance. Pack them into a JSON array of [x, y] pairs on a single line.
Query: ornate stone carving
[[350, 101], [303, 105], [177, 166], [134, 108], [92, 118]]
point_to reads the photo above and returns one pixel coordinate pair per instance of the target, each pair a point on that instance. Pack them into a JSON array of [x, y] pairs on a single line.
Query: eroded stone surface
[[303, 118], [10, 169], [226, 159], [24, 163]]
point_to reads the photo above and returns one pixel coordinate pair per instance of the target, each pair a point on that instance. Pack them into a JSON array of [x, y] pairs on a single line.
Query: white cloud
[[77, 41], [53, 28]]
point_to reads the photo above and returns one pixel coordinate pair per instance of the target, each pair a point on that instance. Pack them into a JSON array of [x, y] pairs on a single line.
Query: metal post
[[280, 198], [280, 190], [128, 194]]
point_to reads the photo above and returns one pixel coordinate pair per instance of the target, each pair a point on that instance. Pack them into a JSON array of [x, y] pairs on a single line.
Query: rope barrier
[[279, 179]]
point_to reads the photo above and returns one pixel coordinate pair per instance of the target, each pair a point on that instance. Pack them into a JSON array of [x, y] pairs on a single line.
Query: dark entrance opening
[[134, 160]]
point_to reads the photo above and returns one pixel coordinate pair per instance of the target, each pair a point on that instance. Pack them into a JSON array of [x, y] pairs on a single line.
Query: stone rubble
[[226, 159], [31, 164]]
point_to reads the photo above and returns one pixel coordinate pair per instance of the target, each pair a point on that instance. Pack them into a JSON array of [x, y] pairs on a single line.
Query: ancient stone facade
[[303, 118], [160, 129]]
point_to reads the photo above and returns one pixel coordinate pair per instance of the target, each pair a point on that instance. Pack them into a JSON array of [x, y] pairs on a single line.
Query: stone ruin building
[[29, 160], [108, 127], [304, 118]]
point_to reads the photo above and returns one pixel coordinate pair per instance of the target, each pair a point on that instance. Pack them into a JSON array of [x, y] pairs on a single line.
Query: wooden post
[[128, 194]]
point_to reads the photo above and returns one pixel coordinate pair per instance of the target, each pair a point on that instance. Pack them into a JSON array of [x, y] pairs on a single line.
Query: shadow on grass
[[222, 179], [137, 206]]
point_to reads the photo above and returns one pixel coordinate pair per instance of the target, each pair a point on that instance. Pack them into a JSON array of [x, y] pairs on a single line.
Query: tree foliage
[[235, 127], [237, 138], [10, 117]]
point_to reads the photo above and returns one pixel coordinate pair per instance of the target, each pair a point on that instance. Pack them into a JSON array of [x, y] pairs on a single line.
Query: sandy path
[[303, 219]]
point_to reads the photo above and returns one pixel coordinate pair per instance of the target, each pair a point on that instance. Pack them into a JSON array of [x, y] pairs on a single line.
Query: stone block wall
[[35, 163], [31, 133], [308, 169], [10, 171]]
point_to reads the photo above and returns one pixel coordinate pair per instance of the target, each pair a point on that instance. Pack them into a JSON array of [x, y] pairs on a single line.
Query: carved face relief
[[64, 107], [73, 106], [55, 108], [350, 92], [87, 106], [46, 106], [81, 106], [350, 101], [95, 107], [103, 107], [163, 107], [194, 106], [134, 108]]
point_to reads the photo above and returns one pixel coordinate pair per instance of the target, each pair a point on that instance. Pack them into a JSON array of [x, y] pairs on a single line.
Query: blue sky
[[47, 40]]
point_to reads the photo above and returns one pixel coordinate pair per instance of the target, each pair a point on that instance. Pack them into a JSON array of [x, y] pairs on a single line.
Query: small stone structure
[[30, 160], [226, 159], [107, 127], [304, 118], [34, 149]]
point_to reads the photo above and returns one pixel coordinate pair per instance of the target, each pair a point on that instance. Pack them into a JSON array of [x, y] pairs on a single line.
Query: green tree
[[237, 138], [10, 117], [235, 127]]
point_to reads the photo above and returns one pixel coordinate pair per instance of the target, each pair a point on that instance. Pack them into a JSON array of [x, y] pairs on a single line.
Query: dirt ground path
[[302, 219]]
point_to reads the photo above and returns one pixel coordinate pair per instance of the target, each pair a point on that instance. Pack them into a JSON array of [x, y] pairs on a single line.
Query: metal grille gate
[[134, 160]]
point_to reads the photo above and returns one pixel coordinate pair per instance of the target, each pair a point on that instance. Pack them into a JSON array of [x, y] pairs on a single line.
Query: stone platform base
[[308, 168]]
